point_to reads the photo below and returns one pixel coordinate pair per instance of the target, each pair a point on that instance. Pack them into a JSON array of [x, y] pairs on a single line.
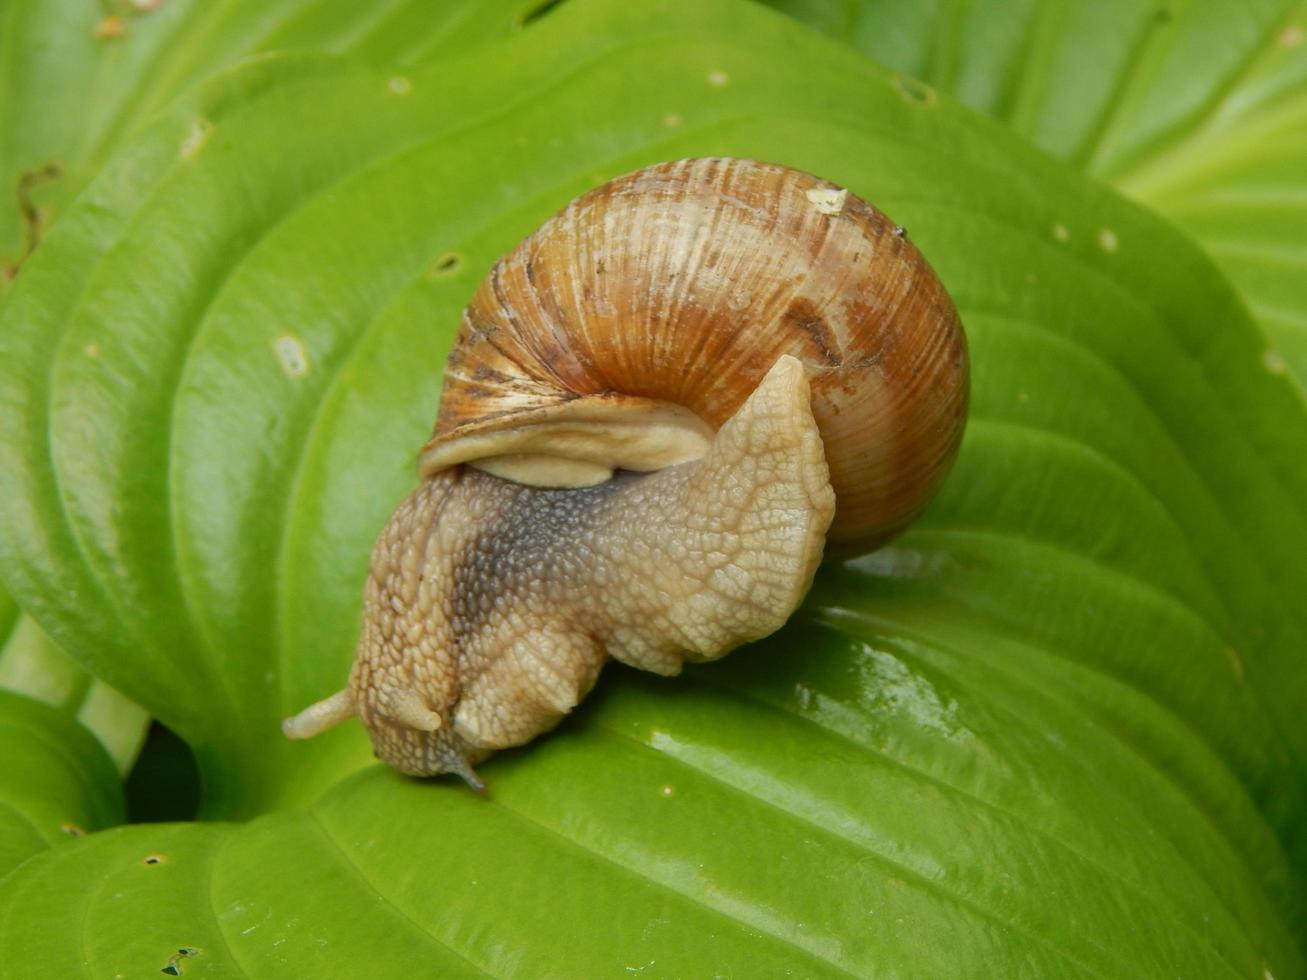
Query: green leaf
[[53, 53], [1197, 109], [56, 781], [684, 844], [31, 665], [56, 725], [1054, 730]]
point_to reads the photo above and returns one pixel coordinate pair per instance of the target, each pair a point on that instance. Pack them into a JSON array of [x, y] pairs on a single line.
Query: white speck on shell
[[1107, 240], [1291, 37], [1273, 361], [827, 200], [718, 78], [1061, 233], [400, 85]]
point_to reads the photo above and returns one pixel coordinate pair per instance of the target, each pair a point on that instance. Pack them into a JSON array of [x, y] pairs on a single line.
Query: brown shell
[[680, 285]]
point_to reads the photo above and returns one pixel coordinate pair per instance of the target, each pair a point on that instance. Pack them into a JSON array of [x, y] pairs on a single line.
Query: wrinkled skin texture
[[491, 606]]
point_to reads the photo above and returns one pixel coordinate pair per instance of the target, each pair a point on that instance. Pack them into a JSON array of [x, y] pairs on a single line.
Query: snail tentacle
[[317, 718]]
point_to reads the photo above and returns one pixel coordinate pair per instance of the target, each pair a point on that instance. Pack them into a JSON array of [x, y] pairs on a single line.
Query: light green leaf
[[31, 665], [56, 725], [670, 845], [56, 781], [1197, 109], [1053, 731], [130, 61]]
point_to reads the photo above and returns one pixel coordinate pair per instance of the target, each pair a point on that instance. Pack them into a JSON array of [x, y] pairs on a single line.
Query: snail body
[[661, 408]]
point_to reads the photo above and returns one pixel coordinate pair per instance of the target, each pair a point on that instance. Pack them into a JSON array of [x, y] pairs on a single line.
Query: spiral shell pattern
[[675, 288]]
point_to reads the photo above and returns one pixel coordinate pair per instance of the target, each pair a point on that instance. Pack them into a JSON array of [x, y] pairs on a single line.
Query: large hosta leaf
[[76, 76], [31, 665], [56, 781], [1196, 108], [1055, 730], [56, 725]]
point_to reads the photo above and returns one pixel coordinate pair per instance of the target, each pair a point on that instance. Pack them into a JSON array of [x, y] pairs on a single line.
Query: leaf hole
[[174, 967], [448, 265], [915, 90], [535, 13]]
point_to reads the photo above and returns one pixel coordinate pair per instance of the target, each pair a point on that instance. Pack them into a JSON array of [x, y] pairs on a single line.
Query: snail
[[662, 409]]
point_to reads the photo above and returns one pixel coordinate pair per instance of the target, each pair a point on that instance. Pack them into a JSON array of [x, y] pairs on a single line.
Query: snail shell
[[662, 407], [632, 324]]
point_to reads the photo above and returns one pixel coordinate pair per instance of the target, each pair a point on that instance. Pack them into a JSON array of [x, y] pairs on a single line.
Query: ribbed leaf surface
[[1195, 108], [77, 77], [1055, 730]]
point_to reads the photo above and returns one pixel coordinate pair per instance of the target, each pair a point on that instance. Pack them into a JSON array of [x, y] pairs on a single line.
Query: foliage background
[[1054, 730]]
